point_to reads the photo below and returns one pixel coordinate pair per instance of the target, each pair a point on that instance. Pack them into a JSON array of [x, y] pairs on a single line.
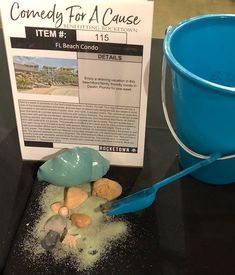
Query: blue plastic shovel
[[144, 198]]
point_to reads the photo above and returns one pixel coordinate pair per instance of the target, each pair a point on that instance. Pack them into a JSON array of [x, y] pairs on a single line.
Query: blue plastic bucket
[[201, 54]]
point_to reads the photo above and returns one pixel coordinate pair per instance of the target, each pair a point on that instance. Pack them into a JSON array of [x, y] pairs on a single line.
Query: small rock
[[104, 208], [107, 189], [75, 196], [51, 240], [81, 220], [55, 223], [64, 211], [93, 252], [55, 207]]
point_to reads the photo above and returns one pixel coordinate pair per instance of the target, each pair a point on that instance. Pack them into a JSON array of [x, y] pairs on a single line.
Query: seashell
[[73, 167], [71, 240], [63, 211], [80, 220], [107, 189]]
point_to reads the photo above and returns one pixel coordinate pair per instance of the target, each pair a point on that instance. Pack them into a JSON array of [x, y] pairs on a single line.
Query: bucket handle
[[177, 139]]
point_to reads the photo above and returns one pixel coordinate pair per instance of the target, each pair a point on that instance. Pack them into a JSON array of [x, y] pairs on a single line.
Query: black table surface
[[190, 228]]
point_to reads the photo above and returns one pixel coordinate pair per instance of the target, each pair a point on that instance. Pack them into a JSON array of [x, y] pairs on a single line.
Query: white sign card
[[79, 72]]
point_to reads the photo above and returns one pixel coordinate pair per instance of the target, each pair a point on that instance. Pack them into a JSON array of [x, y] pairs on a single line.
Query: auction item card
[[79, 72]]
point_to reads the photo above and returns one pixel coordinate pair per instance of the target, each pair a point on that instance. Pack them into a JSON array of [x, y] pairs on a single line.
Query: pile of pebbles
[[70, 217]]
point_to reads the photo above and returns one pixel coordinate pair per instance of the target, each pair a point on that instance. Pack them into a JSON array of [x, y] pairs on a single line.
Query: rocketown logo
[[119, 149]]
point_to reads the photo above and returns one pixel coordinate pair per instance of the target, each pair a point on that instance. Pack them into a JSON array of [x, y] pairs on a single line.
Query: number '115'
[[102, 37]]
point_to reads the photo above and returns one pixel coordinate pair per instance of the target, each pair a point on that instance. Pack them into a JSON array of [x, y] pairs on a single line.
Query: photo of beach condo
[[48, 76]]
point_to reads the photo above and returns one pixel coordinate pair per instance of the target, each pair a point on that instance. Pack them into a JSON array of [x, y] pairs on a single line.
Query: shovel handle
[[187, 171]]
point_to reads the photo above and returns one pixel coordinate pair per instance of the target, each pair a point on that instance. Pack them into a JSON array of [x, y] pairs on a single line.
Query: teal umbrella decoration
[[74, 167]]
